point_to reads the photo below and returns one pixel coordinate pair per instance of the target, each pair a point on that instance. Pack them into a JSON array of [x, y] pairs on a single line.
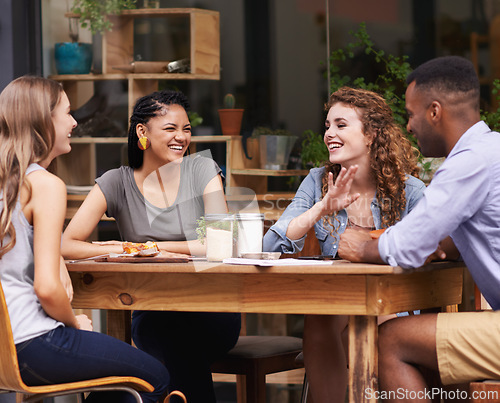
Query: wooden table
[[362, 291]]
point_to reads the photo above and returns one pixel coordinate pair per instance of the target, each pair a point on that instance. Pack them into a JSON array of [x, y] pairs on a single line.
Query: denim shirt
[[307, 195]]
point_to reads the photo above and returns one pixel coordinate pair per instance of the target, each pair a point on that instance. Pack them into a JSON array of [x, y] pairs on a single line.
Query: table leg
[[363, 358], [118, 325]]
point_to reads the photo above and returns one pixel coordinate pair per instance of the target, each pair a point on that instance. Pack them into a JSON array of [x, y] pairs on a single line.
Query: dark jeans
[[66, 354], [188, 343]]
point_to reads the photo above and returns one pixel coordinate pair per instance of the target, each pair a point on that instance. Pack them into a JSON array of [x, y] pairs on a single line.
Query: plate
[[142, 259], [261, 255]]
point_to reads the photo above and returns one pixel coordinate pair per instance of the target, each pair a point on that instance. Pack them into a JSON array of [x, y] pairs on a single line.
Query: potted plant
[[275, 146], [93, 13], [76, 57], [230, 118], [314, 151]]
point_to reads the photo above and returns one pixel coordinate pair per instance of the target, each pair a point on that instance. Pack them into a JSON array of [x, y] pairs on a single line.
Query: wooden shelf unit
[[204, 38], [118, 50], [79, 167], [247, 173]]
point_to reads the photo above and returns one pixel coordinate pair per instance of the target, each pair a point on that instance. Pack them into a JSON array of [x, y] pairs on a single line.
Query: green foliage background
[[391, 84], [93, 12]]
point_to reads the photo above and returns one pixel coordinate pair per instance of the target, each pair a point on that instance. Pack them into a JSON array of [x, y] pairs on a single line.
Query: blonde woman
[[366, 184], [53, 345]]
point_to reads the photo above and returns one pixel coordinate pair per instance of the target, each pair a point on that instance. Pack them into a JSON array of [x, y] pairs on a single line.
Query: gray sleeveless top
[[27, 317]]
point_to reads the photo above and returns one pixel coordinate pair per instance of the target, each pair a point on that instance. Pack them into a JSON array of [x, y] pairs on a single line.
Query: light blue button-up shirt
[[307, 195], [463, 200]]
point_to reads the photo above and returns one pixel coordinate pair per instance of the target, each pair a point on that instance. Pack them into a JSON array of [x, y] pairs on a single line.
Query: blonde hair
[[392, 157], [26, 136]]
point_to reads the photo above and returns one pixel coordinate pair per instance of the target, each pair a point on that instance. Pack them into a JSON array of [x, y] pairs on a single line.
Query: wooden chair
[[10, 377], [253, 357]]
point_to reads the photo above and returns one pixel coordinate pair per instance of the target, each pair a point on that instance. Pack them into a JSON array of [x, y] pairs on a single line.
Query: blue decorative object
[[73, 57]]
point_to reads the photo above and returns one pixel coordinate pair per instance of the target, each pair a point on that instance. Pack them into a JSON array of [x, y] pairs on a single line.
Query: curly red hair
[[392, 157]]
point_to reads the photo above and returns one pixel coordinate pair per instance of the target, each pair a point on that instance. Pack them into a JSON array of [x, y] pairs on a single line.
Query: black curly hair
[[147, 107]]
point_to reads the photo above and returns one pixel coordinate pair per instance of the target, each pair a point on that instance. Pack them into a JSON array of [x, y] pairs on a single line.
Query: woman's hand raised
[[338, 196]]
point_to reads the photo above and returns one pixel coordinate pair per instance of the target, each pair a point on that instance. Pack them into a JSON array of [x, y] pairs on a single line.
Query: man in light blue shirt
[[463, 202]]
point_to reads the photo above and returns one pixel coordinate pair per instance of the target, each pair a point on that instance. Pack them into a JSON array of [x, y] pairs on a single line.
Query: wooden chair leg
[[241, 389], [256, 387]]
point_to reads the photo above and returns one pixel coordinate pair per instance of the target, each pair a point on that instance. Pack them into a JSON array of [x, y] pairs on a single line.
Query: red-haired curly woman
[[367, 184]]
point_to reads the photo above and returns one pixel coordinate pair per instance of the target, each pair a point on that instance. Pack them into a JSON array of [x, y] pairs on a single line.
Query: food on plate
[[148, 248], [376, 233]]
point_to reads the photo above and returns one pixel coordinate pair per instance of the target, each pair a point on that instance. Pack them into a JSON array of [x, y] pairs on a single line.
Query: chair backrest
[[480, 302], [10, 378]]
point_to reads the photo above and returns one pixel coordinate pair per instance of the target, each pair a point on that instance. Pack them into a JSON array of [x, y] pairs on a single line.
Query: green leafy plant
[[93, 13], [492, 118], [201, 229], [194, 119], [391, 84], [314, 151]]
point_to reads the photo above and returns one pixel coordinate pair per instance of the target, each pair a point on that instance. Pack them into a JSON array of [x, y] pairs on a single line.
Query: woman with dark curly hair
[[367, 184]]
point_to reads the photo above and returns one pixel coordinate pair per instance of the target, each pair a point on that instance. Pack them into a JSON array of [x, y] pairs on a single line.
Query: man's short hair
[[448, 74]]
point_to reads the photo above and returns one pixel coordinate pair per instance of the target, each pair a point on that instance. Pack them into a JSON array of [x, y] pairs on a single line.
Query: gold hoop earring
[[143, 143]]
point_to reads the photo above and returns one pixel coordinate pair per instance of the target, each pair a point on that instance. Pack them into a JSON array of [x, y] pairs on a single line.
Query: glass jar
[[250, 230], [220, 236]]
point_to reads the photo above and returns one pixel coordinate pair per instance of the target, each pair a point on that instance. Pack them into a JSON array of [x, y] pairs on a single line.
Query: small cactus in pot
[[230, 118], [229, 101]]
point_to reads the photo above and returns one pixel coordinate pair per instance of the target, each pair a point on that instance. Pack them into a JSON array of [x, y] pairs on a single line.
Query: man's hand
[[445, 251], [439, 254], [358, 246], [352, 244]]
